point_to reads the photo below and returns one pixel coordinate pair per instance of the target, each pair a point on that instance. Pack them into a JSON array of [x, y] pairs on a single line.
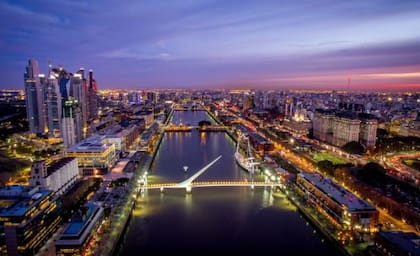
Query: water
[[213, 220]]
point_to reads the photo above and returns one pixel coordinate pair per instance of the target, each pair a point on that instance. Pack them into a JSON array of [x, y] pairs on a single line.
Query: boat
[[247, 162]]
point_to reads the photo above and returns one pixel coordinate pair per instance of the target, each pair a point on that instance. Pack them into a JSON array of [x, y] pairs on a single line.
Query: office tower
[[34, 98], [71, 123], [92, 98], [53, 105], [63, 82], [78, 93], [152, 97]]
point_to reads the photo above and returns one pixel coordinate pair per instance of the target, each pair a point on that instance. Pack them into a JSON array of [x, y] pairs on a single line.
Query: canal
[[213, 220]]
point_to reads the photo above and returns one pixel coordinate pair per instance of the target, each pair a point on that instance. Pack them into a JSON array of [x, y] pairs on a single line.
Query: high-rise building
[[339, 128], [92, 97], [368, 128], [53, 106], [152, 97], [322, 125], [345, 129], [78, 92], [34, 98], [71, 123], [248, 102], [288, 108]]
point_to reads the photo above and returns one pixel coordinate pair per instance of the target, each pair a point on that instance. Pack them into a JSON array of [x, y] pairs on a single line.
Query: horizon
[[373, 45]]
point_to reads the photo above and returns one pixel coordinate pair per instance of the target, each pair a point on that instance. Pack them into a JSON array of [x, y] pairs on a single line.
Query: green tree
[[353, 147], [326, 166]]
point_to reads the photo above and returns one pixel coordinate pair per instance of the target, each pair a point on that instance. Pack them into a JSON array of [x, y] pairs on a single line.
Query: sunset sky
[[217, 44]]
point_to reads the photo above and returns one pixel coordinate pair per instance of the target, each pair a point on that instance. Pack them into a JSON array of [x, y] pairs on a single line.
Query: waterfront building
[[343, 207], [398, 243], [94, 156], [259, 143], [28, 217], [34, 98], [80, 231], [58, 176], [148, 117]]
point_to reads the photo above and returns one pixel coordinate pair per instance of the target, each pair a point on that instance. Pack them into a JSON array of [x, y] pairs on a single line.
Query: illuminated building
[[347, 210], [93, 155], [34, 98], [248, 102], [368, 128], [92, 97], [77, 234], [398, 243], [57, 176], [53, 106], [78, 92], [339, 128], [28, 216], [71, 123]]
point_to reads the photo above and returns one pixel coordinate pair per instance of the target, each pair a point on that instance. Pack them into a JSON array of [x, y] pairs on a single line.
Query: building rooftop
[[260, 139], [337, 193], [93, 144], [77, 223], [407, 242], [15, 206], [81, 225], [56, 165]]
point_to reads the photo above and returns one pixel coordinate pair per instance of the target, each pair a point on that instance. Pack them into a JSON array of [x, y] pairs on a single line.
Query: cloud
[[26, 14]]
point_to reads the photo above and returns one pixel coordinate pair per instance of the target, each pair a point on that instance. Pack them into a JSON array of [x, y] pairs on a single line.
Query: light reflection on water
[[235, 219]]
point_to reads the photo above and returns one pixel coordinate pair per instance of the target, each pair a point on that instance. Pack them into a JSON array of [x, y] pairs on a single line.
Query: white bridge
[[189, 183]]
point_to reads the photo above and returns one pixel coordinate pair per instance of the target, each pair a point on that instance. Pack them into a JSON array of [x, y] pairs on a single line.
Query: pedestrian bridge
[[189, 183]]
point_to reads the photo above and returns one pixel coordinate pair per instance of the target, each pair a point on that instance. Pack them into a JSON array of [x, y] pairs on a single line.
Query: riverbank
[[121, 213], [322, 228]]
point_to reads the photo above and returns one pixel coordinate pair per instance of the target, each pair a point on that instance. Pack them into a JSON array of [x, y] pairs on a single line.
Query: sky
[[146, 44]]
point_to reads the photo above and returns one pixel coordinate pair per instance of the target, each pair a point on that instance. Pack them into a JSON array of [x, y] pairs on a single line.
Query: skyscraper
[[92, 98], [71, 123], [34, 98], [53, 105], [78, 92]]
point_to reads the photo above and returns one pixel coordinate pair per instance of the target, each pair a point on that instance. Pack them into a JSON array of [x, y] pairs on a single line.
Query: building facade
[[78, 233], [57, 176], [94, 156], [34, 98], [343, 207], [28, 217], [338, 128]]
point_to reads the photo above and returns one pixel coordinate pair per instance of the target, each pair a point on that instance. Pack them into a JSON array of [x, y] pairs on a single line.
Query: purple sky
[[216, 44]]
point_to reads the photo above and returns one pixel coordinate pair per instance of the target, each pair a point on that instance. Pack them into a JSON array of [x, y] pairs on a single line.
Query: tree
[[353, 147], [326, 166], [372, 172], [204, 123]]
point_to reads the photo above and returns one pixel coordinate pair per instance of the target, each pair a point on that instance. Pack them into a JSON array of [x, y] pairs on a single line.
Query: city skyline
[[239, 44]]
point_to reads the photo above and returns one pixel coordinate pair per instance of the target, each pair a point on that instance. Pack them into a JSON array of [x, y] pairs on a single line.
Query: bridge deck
[[212, 184]]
